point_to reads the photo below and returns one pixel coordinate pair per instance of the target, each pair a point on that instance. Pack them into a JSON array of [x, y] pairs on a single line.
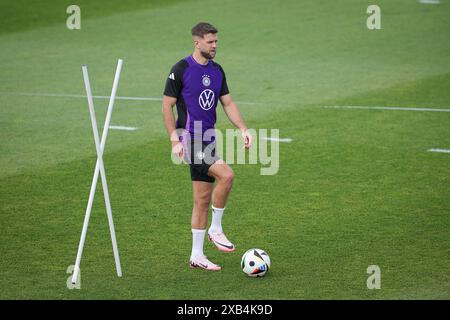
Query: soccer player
[[195, 84]]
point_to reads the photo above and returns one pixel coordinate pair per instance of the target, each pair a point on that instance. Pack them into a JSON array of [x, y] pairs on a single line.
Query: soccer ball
[[255, 262]]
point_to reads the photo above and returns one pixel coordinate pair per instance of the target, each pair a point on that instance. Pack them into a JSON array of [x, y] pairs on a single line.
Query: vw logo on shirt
[[206, 99]]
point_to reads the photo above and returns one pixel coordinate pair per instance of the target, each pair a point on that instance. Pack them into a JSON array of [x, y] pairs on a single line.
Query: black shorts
[[200, 156]]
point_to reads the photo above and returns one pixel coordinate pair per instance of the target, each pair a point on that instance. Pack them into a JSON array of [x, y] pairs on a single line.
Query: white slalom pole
[[99, 168], [102, 148]]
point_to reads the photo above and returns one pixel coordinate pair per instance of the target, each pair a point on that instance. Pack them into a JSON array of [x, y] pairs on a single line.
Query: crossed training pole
[[99, 169]]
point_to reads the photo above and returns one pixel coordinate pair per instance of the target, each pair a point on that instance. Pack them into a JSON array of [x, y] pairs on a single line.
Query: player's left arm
[[232, 112]]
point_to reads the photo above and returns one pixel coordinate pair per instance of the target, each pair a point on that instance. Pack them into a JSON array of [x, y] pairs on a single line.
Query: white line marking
[[387, 108], [439, 150], [62, 95], [277, 139], [123, 128], [430, 1]]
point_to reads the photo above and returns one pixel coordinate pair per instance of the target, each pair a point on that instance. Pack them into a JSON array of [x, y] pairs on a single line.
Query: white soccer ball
[[255, 262]]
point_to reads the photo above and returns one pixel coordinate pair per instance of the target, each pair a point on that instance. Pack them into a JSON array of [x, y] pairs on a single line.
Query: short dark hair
[[202, 28]]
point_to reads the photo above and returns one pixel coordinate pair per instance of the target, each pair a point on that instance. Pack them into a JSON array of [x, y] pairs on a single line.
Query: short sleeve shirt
[[197, 89]]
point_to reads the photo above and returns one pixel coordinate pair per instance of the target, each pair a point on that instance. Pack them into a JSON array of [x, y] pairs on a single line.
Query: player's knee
[[228, 177]]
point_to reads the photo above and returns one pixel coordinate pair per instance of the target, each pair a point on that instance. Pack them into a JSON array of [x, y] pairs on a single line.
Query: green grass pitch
[[355, 187]]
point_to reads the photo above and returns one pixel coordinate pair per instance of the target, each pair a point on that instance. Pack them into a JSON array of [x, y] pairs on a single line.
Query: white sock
[[198, 237], [216, 223]]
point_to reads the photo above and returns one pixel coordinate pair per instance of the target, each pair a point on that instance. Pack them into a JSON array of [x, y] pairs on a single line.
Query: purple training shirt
[[197, 89]]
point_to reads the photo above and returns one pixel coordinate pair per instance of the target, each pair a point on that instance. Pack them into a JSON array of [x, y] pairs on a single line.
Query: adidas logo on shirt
[[172, 76]]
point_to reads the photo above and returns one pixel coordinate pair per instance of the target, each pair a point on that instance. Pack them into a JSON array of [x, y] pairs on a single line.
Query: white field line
[[430, 1], [387, 108], [123, 128], [62, 95], [277, 139], [439, 150]]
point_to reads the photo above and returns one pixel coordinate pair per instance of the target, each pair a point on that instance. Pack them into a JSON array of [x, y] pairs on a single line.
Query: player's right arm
[[169, 121], [172, 91]]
